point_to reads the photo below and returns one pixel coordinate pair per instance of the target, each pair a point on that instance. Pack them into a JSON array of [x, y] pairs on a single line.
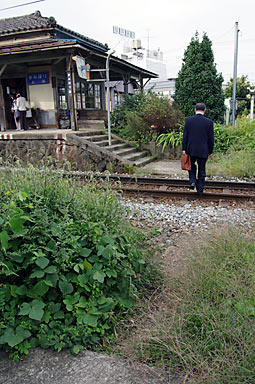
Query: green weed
[[69, 263]]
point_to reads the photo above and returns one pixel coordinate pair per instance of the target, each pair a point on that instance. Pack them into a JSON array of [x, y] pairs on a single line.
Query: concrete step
[[90, 133], [114, 147], [97, 138], [134, 156], [125, 151], [143, 161], [104, 143]]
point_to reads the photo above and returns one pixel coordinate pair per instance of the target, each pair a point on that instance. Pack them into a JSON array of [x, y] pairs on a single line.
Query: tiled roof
[[26, 23], [39, 45], [36, 21]]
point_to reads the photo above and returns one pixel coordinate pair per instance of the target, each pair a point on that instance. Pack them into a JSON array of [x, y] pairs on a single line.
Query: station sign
[[38, 78]]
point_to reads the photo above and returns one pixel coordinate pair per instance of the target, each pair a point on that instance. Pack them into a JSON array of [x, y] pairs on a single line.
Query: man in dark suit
[[198, 142]]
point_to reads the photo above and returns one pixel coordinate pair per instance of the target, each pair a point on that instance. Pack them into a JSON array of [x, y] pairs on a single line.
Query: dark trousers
[[23, 120], [197, 177]]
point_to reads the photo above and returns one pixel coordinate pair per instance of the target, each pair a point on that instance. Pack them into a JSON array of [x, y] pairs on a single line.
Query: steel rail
[[189, 194], [176, 182]]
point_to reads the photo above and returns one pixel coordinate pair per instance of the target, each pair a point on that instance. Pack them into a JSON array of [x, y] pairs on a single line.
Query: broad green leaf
[[76, 349], [42, 262], [4, 239], [22, 290], [82, 302], [22, 195], [16, 224], [59, 315], [99, 276], [23, 332], [39, 273], [41, 288], [83, 279], [25, 309], [65, 287], [87, 265], [54, 307], [36, 313], [53, 278], [85, 252], [14, 339], [90, 319], [51, 269]]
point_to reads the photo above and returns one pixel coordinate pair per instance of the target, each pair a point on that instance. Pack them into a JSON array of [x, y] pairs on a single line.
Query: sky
[[165, 24]]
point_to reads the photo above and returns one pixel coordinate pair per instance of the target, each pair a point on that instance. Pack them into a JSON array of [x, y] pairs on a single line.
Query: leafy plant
[[172, 139], [146, 118], [69, 264]]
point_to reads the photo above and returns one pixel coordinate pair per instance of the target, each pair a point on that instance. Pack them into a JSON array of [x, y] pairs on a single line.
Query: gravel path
[[189, 217]]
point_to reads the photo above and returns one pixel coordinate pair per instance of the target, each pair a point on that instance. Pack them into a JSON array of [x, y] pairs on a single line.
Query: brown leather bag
[[185, 163]]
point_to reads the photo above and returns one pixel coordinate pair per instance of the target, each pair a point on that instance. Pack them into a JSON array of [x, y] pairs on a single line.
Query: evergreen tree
[[198, 80]]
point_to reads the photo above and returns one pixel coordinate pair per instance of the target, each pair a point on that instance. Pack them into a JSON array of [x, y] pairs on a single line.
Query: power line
[[21, 5]]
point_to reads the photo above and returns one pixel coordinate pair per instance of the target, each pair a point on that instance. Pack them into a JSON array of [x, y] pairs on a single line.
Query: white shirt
[[21, 103]]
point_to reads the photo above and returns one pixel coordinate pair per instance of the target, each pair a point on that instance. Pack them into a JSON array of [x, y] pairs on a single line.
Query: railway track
[[166, 187]]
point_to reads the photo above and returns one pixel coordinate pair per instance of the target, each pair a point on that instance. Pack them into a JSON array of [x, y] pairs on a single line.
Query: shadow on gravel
[[48, 367]]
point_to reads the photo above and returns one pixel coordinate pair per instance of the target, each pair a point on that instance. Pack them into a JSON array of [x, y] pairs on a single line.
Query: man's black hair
[[200, 107]]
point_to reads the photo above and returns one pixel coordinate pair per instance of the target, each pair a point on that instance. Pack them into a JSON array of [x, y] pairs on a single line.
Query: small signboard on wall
[[38, 78]]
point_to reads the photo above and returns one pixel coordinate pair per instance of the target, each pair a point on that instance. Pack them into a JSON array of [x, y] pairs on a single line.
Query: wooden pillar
[[2, 110], [141, 83], [2, 105], [70, 92]]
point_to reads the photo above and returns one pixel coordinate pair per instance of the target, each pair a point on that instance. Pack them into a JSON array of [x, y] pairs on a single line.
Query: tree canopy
[[242, 93], [198, 80]]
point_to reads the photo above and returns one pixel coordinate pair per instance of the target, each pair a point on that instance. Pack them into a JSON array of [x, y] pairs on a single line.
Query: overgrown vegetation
[[204, 329], [69, 263], [242, 94], [143, 117]]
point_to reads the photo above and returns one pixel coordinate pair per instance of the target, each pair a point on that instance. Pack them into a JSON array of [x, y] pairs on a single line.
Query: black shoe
[[192, 186], [200, 194]]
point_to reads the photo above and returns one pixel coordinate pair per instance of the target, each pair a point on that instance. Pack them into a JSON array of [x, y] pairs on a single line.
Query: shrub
[[146, 117], [69, 264]]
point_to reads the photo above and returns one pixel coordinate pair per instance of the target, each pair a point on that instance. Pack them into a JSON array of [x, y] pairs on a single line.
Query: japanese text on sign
[[38, 78]]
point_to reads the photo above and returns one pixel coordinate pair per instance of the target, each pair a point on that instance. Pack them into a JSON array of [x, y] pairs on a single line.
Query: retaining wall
[[57, 150]]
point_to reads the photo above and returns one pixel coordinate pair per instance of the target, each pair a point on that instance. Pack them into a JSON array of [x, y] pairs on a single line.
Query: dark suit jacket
[[198, 136]]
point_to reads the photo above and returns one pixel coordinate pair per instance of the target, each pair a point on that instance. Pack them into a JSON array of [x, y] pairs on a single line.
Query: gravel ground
[[189, 217]]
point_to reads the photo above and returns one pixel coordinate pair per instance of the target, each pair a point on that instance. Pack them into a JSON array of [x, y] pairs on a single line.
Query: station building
[[60, 72]]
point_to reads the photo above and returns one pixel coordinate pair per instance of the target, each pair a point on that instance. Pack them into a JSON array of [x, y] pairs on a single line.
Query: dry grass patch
[[200, 324]]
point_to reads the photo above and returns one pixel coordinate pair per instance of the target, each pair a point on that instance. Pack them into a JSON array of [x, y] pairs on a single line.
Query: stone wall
[[59, 150], [168, 154]]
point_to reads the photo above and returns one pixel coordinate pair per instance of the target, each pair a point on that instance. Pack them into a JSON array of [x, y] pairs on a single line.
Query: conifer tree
[[198, 80]]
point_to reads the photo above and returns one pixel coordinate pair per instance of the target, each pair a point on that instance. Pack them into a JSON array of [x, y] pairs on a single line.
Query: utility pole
[[108, 95], [235, 75]]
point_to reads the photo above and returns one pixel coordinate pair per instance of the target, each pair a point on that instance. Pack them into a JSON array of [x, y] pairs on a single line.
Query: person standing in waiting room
[[198, 142], [22, 108]]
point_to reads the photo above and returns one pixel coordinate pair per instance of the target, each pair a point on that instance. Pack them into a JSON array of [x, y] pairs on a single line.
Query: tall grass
[[234, 163], [208, 329]]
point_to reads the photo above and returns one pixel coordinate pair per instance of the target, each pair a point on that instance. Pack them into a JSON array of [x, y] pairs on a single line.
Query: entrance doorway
[[10, 88]]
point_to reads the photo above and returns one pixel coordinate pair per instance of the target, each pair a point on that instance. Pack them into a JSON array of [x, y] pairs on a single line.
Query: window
[[61, 94], [88, 95]]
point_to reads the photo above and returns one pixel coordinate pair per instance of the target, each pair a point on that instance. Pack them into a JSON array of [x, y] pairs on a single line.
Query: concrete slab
[[166, 167], [48, 367]]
